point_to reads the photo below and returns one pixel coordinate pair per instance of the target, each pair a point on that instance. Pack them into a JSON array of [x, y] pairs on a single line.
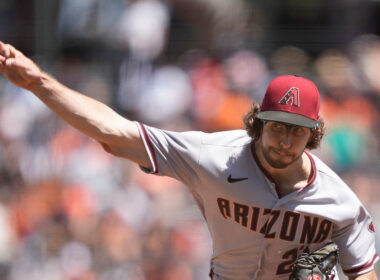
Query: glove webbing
[[322, 260]]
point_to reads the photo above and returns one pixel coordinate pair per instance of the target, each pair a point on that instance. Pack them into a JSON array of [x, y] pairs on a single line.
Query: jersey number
[[290, 257]]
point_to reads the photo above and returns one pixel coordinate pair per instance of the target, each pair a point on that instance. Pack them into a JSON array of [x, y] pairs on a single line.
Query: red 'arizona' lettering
[[273, 223]]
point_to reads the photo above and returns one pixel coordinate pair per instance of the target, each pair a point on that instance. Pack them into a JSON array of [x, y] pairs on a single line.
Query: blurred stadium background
[[69, 211]]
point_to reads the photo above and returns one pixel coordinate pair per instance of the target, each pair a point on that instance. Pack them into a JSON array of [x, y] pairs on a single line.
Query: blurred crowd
[[70, 211]]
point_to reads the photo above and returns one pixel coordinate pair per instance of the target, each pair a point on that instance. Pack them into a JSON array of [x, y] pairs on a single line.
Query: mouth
[[281, 153]]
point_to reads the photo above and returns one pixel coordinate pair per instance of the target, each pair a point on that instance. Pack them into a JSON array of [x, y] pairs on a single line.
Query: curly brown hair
[[254, 127]]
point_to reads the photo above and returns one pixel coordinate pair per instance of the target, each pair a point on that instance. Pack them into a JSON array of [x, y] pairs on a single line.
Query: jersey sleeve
[[173, 154], [356, 243]]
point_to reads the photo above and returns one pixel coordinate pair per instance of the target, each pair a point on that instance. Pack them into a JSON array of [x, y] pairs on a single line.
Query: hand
[[17, 68]]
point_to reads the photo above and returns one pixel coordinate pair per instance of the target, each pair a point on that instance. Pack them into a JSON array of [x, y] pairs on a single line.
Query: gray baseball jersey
[[256, 234]]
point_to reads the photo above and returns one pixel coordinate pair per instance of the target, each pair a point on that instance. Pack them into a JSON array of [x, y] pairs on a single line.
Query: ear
[[260, 128], [313, 142]]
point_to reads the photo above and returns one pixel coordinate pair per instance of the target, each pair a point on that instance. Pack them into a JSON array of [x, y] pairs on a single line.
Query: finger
[[10, 62], [12, 51], [4, 49], [2, 61], [8, 50]]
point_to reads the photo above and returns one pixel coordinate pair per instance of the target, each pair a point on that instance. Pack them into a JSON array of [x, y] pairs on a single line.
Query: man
[[265, 199]]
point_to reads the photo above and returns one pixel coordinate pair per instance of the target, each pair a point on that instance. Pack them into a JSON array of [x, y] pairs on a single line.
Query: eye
[[297, 130], [277, 127]]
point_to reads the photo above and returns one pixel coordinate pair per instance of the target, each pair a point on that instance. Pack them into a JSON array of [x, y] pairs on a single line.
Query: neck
[[293, 177]]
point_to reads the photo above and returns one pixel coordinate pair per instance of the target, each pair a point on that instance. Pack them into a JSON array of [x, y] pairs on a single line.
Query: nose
[[285, 141]]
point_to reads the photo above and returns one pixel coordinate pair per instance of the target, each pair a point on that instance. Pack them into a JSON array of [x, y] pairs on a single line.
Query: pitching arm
[[116, 134]]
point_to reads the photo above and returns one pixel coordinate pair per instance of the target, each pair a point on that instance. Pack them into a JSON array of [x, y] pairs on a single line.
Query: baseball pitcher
[[274, 210]]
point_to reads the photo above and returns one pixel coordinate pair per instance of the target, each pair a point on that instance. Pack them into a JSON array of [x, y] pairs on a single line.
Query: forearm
[[90, 116], [117, 135]]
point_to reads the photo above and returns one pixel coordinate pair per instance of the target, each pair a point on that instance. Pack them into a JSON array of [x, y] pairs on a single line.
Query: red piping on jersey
[[267, 174], [313, 174], [150, 146], [362, 267]]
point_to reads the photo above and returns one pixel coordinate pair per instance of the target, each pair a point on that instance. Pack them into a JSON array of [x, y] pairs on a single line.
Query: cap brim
[[286, 117]]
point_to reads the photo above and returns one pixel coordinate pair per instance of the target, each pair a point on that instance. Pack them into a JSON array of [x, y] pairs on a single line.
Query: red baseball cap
[[291, 99]]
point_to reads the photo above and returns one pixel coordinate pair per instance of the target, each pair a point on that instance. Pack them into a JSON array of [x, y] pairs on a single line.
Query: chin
[[278, 165]]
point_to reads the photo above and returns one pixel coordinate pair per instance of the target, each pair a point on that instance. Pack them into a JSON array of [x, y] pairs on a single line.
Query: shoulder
[[325, 172], [331, 183], [331, 188], [195, 139], [230, 138]]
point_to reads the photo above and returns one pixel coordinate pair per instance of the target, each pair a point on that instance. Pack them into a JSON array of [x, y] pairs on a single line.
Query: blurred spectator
[[350, 144], [143, 26], [290, 60], [215, 107], [248, 73], [167, 96], [365, 51]]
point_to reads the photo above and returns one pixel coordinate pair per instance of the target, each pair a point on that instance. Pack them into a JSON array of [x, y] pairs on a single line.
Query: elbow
[[107, 148]]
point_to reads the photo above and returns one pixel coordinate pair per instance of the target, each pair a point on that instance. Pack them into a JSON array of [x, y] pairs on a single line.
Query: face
[[282, 144]]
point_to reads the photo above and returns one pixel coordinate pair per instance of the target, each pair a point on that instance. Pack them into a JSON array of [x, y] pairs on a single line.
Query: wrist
[[40, 82]]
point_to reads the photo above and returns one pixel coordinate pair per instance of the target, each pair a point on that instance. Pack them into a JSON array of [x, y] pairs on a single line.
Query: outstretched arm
[[117, 135]]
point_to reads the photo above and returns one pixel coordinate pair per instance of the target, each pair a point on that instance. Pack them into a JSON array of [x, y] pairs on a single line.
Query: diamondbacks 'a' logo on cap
[[292, 96]]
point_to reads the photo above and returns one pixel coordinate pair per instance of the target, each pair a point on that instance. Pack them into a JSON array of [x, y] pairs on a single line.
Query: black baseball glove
[[316, 265]]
